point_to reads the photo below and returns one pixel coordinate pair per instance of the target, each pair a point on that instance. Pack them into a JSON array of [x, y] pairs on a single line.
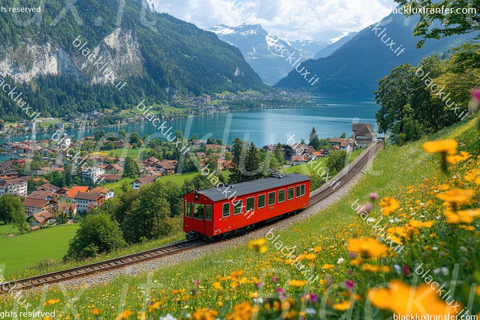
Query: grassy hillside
[[238, 281], [25, 250]]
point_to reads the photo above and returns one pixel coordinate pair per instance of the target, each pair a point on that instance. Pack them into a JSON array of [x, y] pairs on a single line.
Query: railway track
[[327, 190]]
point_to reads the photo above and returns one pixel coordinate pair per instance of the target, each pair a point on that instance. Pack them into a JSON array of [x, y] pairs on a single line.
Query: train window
[[199, 211], [290, 194], [208, 213], [226, 210], [281, 196], [302, 189], [299, 194], [237, 207], [261, 201], [271, 198], [188, 209], [250, 204]]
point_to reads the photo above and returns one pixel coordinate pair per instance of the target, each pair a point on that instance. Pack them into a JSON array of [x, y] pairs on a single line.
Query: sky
[[319, 20]]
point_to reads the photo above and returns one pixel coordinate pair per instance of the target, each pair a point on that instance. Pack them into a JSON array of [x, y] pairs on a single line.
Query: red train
[[226, 209]]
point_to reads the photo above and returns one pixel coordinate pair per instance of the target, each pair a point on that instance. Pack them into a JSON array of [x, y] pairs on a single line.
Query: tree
[[12, 211], [98, 234], [97, 135], [279, 154], [252, 164], [336, 161], [238, 147], [433, 25], [314, 141], [131, 169], [149, 216], [122, 133], [343, 136]]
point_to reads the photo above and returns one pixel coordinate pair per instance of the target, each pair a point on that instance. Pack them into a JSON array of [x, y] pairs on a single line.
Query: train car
[[228, 208]]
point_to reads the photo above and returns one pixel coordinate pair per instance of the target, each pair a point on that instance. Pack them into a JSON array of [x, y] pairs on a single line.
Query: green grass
[[117, 186], [50, 122], [122, 153], [25, 250], [393, 170]]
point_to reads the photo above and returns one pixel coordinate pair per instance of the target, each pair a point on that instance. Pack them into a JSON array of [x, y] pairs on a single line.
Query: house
[[88, 200], [363, 134], [8, 170], [143, 181], [113, 168], [15, 187], [48, 187], [76, 189], [40, 219], [343, 144], [270, 148], [167, 167], [296, 160], [68, 209], [43, 195], [32, 206], [93, 173], [107, 193], [109, 178]]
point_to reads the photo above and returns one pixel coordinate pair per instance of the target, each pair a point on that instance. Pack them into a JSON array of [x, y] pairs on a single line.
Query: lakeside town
[[188, 106], [43, 175]]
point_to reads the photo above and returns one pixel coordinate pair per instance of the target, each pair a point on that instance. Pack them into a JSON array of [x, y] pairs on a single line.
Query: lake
[[266, 126]]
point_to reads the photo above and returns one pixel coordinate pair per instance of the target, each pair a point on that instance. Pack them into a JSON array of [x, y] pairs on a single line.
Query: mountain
[[263, 51], [330, 49], [54, 60], [356, 67]]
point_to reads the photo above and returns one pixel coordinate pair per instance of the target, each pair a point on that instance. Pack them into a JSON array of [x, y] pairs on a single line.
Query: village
[[47, 204]]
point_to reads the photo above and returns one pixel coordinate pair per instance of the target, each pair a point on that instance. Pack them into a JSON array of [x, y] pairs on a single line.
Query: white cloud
[[293, 20]]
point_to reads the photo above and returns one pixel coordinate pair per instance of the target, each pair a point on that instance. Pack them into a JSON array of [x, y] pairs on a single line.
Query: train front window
[[271, 198], [226, 210], [281, 196], [290, 194], [261, 201], [298, 192], [237, 207], [250, 204], [188, 209], [199, 211], [208, 213]]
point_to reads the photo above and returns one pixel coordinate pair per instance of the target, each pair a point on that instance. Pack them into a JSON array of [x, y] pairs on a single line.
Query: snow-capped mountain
[[265, 53]]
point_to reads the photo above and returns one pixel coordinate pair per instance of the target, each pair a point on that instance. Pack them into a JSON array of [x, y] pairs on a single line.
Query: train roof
[[255, 186]]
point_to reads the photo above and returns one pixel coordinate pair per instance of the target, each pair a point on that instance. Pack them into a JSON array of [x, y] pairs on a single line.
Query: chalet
[[76, 189], [8, 170], [15, 187], [167, 167], [270, 148], [40, 219], [68, 209], [343, 144], [296, 160], [363, 134], [107, 193], [109, 178], [88, 200], [43, 195], [33, 206], [48, 187], [113, 168], [143, 181]]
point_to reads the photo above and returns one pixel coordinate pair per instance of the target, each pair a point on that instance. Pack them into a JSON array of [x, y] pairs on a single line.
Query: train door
[[199, 217]]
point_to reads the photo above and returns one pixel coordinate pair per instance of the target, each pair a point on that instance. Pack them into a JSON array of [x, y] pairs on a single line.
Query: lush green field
[[223, 280], [25, 250], [121, 152]]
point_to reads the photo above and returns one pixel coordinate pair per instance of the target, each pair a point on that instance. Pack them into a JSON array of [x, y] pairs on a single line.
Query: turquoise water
[[262, 127]]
